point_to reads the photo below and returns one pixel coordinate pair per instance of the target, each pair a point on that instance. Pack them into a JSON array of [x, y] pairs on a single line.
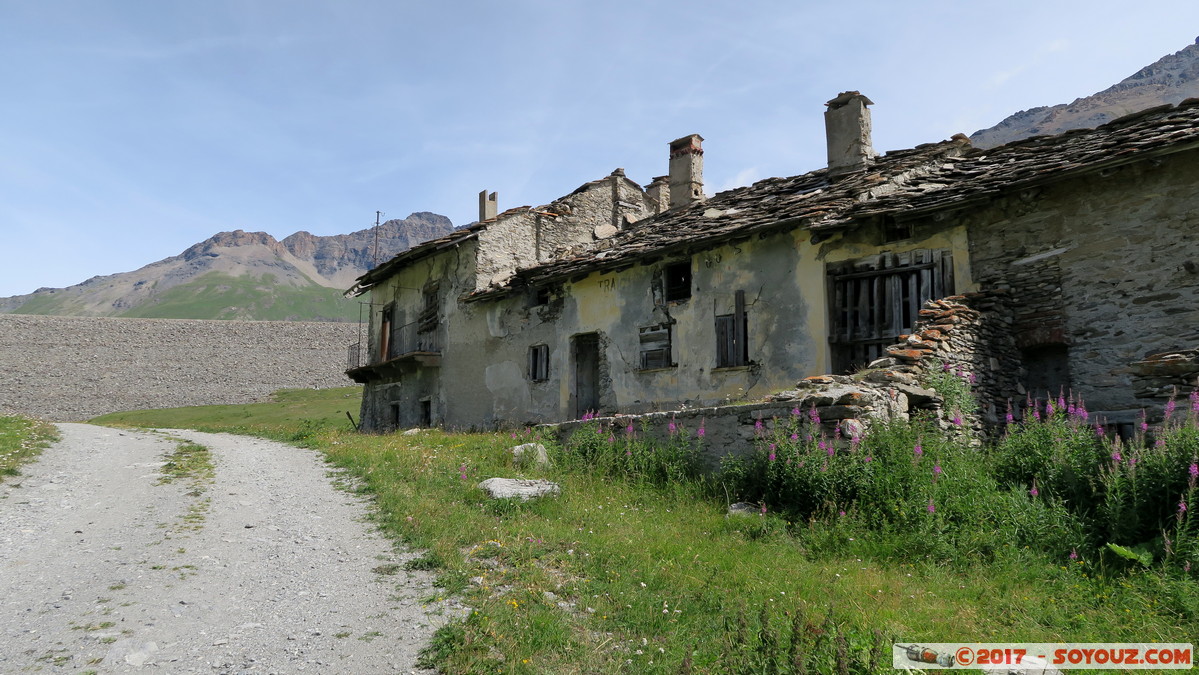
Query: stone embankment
[[74, 368]]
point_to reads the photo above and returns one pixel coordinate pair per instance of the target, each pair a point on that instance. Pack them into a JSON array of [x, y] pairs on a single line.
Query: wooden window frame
[[539, 363], [656, 346], [874, 300], [732, 348]]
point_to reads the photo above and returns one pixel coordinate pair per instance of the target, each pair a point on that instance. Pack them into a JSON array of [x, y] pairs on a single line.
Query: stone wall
[[74, 368], [1102, 268]]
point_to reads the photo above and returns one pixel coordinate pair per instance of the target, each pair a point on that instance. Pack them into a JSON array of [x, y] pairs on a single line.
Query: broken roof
[[932, 177]]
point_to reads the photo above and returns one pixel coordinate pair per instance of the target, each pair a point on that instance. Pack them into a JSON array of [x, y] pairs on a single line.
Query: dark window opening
[[1048, 368], [541, 296], [677, 281], [896, 231], [426, 413], [655, 346], [386, 321], [732, 348], [395, 415], [874, 300], [539, 363]]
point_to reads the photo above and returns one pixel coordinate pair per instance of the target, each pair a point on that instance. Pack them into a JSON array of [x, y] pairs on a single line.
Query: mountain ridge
[[253, 269], [1171, 79]]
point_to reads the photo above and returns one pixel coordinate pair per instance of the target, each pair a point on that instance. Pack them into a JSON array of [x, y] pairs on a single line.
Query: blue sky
[[131, 129]]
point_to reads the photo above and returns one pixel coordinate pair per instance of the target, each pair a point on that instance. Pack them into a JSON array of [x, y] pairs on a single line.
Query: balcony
[[405, 348]]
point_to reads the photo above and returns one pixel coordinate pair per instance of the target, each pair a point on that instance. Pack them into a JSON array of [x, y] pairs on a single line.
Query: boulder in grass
[[520, 488], [530, 454]]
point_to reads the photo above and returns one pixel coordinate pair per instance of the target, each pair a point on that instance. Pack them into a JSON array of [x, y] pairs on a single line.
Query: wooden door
[[585, 349]]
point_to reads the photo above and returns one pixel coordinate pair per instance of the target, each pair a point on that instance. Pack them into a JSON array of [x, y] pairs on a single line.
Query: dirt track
[[267, 568]]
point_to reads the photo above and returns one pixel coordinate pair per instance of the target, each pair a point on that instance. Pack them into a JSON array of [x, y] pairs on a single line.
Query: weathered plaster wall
[[1112, 259]]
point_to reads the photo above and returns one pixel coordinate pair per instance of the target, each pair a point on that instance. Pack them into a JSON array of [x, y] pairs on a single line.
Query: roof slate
[[930, 177]]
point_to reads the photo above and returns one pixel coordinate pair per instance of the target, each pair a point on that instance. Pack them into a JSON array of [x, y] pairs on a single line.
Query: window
[[677, 281], [426, 412], [732, 348], [539, 363], [874, 300], [655, 346], [386, 321], [427, 321]]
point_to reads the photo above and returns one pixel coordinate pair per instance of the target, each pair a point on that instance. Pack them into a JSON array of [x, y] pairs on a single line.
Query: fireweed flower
[[1099, 430], [1061, 400], [973, 379], [1192, 474], [1195, 401], [674, 428], [1009, 417], [868, 458], [1144, 422], [931, 507], [1170, 406], [1049, 409], [758, 426], [794, 437], [1034, 491], [945, 367], [813, 416], [772, 455], [918, 450], [611, 438], [957, 419], [629, 429], [795, 412], [1074, 554], [699, 433], [1116, 456]]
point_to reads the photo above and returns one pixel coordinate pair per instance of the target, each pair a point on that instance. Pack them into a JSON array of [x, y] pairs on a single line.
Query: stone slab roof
[[932, 177]]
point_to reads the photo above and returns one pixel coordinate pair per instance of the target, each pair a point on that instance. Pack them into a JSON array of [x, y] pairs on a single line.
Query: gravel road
[[266, 568]]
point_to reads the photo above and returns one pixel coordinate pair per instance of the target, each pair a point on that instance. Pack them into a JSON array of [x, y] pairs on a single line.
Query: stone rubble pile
[[1167, 374]]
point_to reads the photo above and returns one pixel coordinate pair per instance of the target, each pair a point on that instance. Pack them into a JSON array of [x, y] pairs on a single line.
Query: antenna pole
[[375, 254]]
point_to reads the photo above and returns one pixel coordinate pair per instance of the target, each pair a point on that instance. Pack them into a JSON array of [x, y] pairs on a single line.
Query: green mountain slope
[[217, 295]]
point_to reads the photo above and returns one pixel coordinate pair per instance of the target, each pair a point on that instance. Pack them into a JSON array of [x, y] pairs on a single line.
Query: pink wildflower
[[1117, 457], [973, 379], [918, 450], [937, 469], [795, 412], [1048, 408], [699, 433], [945, 367], [1099, 431], [1034, 491], [1170, 406], [813, 416], [1192, 474], [842, 513], [629, 429], [794, 437], [1074, 554], [772, 455], [1009, 417], [611, 438], [1195, 401], [931, 507], [957, 420], [869, 458], [758, 426], [674, 428]]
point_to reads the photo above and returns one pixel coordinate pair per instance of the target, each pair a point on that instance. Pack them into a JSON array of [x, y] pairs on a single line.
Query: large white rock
[[507, 488], [530, 454]]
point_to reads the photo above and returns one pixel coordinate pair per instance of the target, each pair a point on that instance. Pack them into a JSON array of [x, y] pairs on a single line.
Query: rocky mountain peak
[[1169, 80]]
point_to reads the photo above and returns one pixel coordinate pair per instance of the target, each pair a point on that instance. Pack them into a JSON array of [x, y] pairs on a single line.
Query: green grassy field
[[624, 574], [290, 413], [21, 441]]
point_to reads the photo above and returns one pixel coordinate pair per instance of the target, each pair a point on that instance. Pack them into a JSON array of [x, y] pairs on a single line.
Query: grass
[[624, 573], [21, 441], [291, 413]]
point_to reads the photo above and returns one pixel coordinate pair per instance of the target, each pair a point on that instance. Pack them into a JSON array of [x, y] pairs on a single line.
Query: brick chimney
[[488, 206], [847, 128], [686, 170]]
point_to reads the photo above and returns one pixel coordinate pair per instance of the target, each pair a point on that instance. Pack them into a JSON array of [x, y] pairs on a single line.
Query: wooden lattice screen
[[874, 300]]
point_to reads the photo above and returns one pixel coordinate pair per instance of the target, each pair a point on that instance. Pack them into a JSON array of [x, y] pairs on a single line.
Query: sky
[[132, 129]]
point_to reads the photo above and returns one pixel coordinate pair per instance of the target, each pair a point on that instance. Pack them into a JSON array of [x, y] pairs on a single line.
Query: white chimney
[[686, 170], [847, 128]]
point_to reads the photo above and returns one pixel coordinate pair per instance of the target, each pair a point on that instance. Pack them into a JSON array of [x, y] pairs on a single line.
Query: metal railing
[[405, 339]]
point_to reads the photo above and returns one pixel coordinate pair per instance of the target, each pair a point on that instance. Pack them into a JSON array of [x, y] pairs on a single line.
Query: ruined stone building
[[617, 298]]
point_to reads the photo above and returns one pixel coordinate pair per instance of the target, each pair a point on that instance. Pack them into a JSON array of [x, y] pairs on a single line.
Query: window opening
[[427, 321], [539, 363], [874, 300], [732, 349], [426, 412], [678, 281], [386, 320], [655, 346]]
